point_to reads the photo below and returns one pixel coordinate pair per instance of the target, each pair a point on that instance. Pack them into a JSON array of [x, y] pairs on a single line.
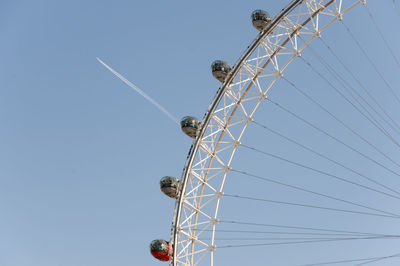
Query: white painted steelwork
[[223, 125]]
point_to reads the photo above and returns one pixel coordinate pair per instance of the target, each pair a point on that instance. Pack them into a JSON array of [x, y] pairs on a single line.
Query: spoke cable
[[350, 90], [353, 260], [396, 8], [382, 36], [282, 238], [345, 85], [305, 190], [371, 62], [321, 155], [363, 87], [290, 233], [311, 206], [327, 134], [300, 242], [338, 120], [320, 171], [378, 259], [299, 228]]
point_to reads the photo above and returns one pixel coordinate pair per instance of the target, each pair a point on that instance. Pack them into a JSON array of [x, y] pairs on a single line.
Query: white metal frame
[[210, 156]]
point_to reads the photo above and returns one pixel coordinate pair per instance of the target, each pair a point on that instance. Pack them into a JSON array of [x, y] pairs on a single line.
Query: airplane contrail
[[147, 97]]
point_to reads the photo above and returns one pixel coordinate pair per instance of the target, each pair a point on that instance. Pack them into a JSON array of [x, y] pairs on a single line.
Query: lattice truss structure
[[209, 159]]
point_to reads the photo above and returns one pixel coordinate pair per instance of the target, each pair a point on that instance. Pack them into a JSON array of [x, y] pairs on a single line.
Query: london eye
[[286, 134]]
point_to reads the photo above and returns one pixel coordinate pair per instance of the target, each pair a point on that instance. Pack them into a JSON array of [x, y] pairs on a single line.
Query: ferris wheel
[[199, 231]]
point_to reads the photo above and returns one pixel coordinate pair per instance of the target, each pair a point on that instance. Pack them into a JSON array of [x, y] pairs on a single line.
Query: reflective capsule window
[[160, 249], [190, 126], [220, 70], [170, 186], [260, 19]]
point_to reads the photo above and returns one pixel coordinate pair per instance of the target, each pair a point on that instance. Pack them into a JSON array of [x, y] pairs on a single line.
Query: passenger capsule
[[160, 249], [260, 19], [170, 186], [190, 126], [220, 70]]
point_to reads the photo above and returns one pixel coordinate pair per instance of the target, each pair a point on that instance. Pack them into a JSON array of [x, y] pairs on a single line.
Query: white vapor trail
[[147, 97]]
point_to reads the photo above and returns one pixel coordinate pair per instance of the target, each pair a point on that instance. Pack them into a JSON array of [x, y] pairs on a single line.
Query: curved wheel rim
[[228, 115]]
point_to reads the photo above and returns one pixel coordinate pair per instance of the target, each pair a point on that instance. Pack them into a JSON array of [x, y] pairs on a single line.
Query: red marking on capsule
[[160, 249], [160, 255]]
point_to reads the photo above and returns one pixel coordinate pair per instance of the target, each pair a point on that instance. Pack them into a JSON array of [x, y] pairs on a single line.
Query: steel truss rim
[[221, 92]]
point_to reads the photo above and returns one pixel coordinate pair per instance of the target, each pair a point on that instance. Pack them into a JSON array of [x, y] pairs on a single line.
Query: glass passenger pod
[[170, 186], [190, 126], [160, 249], [260, 19], [220, 70]]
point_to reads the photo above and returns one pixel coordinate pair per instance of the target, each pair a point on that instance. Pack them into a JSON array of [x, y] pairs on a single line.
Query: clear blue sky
[[81, 153]]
